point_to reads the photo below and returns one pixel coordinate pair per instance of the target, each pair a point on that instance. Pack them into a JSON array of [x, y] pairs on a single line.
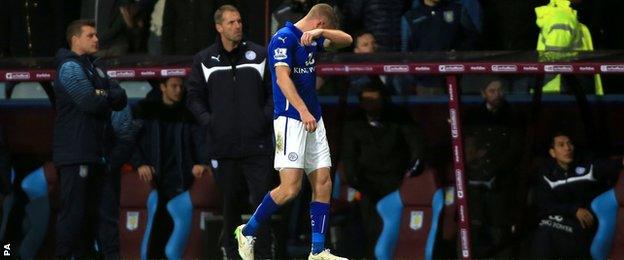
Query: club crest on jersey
[[280, 54], [580, 170]]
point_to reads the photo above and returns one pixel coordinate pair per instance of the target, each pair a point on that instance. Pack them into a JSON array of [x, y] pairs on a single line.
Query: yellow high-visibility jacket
[[560, 30]]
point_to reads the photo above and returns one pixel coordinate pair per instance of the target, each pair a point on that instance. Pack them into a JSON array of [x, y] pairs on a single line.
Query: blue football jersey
[[286, 50]]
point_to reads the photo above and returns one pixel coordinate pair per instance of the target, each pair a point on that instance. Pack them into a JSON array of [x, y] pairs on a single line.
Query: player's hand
[[308, 37], [585, 217], [308, 120], [146, 172], [199, 170]]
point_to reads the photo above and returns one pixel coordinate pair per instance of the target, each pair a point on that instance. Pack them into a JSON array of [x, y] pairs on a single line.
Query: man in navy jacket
[[86, 98]]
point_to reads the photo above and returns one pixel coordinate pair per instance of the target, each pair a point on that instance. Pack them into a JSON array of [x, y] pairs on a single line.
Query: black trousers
[[233, 176], [89, 211], [490, 220], [550, 244]]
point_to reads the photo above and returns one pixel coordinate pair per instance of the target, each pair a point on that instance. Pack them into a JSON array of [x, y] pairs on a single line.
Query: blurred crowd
[[379, 141], [35, 28]]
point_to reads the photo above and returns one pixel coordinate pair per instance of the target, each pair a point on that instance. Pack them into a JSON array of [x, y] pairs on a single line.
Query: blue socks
[[263, 212], [319, 218]]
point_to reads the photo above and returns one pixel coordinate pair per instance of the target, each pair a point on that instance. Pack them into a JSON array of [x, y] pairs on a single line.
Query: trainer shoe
[[325, 255], [245, 244]]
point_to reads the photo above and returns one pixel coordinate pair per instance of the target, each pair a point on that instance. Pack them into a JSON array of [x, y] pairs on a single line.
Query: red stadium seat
[[417, 216], [133, 214], [448, 219], [206, 206], [51, 175], [343, 196]]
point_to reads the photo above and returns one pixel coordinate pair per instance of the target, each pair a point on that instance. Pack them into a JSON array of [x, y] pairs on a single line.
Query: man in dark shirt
[[492, 145], [380, 143], [169, 152], [563, 193]]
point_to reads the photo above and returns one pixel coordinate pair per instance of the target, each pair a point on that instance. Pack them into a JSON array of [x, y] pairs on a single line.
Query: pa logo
[[293, 156]]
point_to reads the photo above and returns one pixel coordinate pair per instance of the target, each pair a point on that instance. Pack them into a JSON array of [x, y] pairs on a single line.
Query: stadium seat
[[410, 216], [203, 242], [136, 197], [35, 185], [52, 178], [40, 217], [37, 212], [136, 89], [617, 250], [2, 90], [152, 206], [390, 209], [181, 210], [448, 221], [609, 209], [27, 90], [343, 195], [51, 175]]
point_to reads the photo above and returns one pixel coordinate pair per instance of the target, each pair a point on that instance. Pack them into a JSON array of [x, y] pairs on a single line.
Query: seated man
[[380, 144], [564, 190], [167, 152]]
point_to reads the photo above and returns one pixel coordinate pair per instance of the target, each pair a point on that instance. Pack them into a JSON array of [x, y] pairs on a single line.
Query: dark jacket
[[380, 17], [443, 27], [498, 136], [188, 26], [377, 157], [232, 95], [85, 98], [560, 192], [151, 114]]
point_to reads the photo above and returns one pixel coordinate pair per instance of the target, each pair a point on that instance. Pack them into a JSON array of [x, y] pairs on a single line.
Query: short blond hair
[[324, 11]]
